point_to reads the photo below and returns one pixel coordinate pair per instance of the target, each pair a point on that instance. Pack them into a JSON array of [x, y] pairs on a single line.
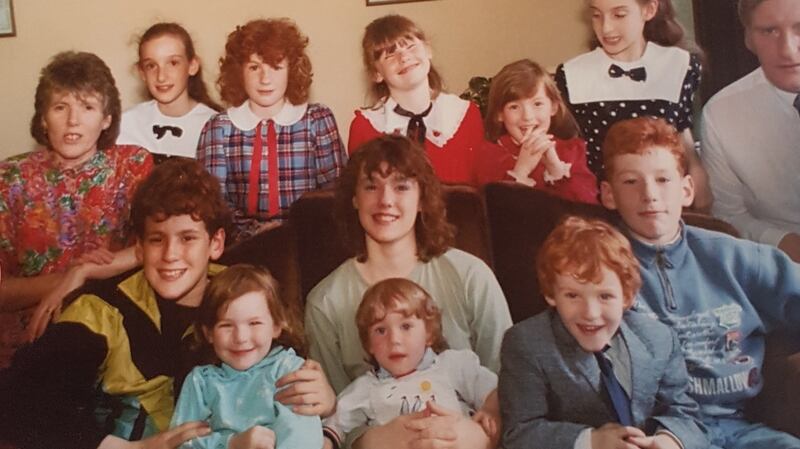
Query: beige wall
[[470, 37]]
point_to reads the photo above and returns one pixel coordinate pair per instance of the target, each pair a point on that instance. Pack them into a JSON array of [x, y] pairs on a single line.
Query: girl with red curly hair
[[408, 99], [271, 145]]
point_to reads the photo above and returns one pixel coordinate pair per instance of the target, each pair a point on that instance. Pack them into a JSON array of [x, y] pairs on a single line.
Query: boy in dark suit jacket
[[589, 373]]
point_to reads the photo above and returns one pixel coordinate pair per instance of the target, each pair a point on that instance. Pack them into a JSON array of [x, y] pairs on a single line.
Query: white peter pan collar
[[442, 122], [588, 80], [244, 118]]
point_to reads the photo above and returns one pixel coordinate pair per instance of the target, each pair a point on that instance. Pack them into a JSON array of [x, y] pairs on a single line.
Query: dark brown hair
[[519, 80], [434, 235], [638, 136], [196, 86], [382, 35], [404, 296], [664, 28], [180, 186], [273, 40], [82, 74], [238, 280], [580, 248]]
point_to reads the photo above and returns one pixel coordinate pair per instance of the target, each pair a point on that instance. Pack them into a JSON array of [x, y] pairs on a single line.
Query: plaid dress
[[308, 155]]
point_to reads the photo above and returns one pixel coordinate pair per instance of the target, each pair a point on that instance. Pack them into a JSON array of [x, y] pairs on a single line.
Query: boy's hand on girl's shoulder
[[307, 391], [256, 437], [615, 436]]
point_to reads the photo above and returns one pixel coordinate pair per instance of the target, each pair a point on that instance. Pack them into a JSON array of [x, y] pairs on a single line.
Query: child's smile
[[590, 311], [244, 331]]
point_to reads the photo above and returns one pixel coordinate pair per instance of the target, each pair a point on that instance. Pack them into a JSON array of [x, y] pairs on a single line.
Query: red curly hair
[[581, 248], [273, 40], [638, 136], [404, 296]]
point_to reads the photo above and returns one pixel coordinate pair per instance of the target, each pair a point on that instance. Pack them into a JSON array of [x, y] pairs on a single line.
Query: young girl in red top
[[408, 99], [535, 134]]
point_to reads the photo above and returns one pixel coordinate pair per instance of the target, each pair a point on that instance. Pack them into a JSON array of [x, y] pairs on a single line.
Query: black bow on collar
[[636, 74], [416, 126], [160, 131]]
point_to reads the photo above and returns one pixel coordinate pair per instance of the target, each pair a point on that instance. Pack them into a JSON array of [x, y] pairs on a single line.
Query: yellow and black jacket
[[107, 366]]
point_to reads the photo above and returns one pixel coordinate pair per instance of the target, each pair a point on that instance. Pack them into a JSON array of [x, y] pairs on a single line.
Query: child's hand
[[256, 437], [533, 146], [554, 168], [659, 441], [488, 422], [615, 436]]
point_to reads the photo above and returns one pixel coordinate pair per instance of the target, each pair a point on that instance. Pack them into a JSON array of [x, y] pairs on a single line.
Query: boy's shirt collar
[[244, 118], [672, 253], [427, 361]]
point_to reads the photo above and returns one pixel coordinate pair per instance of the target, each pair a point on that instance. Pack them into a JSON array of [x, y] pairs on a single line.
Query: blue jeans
[[734, 433]]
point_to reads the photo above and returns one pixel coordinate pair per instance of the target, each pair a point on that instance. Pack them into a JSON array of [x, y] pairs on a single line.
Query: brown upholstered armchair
[[519, 220]]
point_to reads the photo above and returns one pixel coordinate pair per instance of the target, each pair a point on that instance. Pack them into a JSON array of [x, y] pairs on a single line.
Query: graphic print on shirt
[[402, 397], [718, 362]]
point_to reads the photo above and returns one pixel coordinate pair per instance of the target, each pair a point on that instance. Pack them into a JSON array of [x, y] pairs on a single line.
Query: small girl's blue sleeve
[[293, 430], [193, 405]]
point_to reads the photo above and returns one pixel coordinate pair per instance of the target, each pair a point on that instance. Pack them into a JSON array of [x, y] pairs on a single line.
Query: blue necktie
[[619, 399]]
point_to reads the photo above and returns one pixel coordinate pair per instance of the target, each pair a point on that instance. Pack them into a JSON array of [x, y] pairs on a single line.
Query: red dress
[[454, 134], [498, 158]]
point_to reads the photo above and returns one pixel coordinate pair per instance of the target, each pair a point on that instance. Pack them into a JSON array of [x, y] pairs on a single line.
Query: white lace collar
[[442, 122], [244, 118]]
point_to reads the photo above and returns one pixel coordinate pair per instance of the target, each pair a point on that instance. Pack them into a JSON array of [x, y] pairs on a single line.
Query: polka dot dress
[[597, 115]]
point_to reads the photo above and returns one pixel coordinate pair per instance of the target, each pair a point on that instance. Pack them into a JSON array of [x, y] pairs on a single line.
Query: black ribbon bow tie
[[636, 74], [161, 131], [416, 126]]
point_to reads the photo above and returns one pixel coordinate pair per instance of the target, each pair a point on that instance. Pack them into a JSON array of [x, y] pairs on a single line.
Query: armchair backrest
[[320, 248]]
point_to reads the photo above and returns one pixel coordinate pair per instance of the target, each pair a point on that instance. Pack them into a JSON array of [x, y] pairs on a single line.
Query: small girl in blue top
[[252, 335]]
